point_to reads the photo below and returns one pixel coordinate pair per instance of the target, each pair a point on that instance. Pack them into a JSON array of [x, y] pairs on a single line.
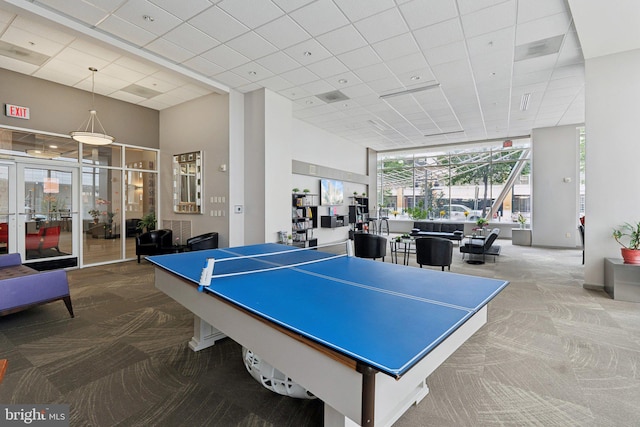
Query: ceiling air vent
[[539, 48], [333, 96], [141, 91], [21, 54]]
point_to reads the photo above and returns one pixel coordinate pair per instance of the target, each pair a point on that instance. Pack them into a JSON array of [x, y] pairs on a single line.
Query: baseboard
[[593, 287]]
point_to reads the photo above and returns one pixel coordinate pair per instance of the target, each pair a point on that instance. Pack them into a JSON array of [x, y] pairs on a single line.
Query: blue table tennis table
[[363, 336]]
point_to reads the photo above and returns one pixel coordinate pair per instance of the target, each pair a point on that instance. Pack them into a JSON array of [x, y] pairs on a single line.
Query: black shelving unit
[[304, 218]]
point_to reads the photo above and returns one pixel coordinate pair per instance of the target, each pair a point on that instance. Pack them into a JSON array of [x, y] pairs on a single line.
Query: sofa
[[22, 287], [442, 229]]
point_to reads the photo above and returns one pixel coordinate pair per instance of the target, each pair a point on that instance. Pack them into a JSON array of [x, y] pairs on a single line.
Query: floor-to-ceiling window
[[460, 183], [83, 202]]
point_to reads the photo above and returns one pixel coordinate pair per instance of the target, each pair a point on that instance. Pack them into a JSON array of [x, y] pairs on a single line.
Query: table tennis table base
[[330, 376]]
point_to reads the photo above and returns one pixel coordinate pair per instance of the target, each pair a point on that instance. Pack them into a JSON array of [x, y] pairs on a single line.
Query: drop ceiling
[[380, 73]]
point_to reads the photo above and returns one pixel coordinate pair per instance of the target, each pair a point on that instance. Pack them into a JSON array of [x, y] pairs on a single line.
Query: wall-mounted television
[[331, 192]]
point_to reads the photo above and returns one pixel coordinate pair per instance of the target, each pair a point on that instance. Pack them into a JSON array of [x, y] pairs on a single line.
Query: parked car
[[457, 212]]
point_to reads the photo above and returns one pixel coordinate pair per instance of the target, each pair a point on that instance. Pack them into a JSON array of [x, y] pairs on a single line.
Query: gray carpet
[[552, 354]]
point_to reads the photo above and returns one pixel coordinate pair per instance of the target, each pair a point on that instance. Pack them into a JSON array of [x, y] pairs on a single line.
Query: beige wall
[[61, 109], [201, 124]]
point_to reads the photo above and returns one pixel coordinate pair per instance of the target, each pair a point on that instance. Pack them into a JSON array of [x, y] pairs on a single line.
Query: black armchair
[[131, 227], [203, 241], [155, 242], [581, 228], [482, 247], [434, 251], [369, 245]]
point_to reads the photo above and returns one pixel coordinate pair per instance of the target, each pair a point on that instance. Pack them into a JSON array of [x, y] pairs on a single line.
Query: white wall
[[267, 165], [236, 168], [201, 124], [555, 202], [318, 147], [612, 152]]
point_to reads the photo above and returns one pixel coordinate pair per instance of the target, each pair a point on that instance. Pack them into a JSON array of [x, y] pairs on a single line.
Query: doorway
[[46, 215]]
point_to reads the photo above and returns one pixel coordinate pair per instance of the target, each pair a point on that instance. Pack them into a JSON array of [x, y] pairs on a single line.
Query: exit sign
[[16, 111], [507, 144]]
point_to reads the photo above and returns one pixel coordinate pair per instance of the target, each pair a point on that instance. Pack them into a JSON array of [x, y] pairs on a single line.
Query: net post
[[207, 273], [350, 251]]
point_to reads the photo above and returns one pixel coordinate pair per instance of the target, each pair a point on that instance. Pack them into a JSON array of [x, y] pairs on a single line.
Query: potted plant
[[522, 220], [296, 190], [631, 251], [482, 222], [95, 213], [148, 222]]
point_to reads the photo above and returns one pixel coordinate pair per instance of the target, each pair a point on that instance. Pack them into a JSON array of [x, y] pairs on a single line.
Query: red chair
[[46, 238], [4, 232]]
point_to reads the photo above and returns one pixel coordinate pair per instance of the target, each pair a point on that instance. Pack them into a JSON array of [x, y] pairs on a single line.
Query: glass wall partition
[[462, 183]]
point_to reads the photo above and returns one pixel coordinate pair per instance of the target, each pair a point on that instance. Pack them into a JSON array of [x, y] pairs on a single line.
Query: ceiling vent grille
[[333, 96], [539, 48], [141, 91], [21, 54]]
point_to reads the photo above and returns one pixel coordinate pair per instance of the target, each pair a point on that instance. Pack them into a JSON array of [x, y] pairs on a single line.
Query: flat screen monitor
[[331, 192]]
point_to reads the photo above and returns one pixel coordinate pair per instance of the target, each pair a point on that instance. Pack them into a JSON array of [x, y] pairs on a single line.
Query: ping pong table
[[362, 336]]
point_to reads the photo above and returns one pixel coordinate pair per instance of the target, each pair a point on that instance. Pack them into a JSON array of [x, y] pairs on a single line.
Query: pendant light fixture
[[89, 134]]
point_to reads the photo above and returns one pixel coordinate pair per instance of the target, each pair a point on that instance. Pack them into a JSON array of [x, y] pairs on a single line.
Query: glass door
[[46, 201], [7, 208]]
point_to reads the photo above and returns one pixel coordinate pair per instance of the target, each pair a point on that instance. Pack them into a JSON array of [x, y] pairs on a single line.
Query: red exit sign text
[[16, 111]]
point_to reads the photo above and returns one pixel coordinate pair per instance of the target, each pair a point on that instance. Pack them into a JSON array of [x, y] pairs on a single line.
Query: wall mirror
[[187, 182]]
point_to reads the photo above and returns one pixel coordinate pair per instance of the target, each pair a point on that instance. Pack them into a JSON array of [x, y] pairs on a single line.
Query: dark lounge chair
[[203, 241], [482, 247], [155, 242], [434, 251], [370, 245]]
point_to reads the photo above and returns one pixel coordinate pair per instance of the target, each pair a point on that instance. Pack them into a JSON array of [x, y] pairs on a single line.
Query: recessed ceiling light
[[252, 73], [32, 43], [307, 53], [492, 74], [53, 146], [309, 102], [414, 78], [342, 81], [148, 18]]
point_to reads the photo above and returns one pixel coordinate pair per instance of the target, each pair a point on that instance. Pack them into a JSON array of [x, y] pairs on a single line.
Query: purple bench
[[22, 287]]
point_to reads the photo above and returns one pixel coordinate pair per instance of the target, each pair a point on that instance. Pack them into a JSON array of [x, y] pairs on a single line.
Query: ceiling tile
[[252, 46], [127, 31], [184, 9], [373, 72], [291, 5], [359, 9], [134, 64], [529, 11], [442, 54], [82, 11], [252, 71], [160, 21], [490, 19], [327, 67], [169, 50], [299, 76], [382, 26], [283, 32], [396, 47], [116, 70], [82, 45], [275, 83], [359, 58], [420, 13], [470, 6], [440, 34], [203, 66], [17, 66], [81, 59], [408, 63], [342, 40], [30, 41], [278, 62], [189, 37], [316, 52], [542, 28], [218, 24], [250, 12], [231, 79], [225, 57], [319, 17]]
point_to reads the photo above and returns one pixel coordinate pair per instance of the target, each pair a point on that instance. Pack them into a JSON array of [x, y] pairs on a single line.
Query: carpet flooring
[[551, 354]]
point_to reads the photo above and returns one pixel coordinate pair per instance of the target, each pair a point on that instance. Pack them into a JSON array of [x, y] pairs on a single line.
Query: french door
[[46, 212]]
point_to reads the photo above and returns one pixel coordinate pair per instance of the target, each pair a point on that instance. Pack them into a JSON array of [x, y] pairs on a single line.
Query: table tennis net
[[269, 261]]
